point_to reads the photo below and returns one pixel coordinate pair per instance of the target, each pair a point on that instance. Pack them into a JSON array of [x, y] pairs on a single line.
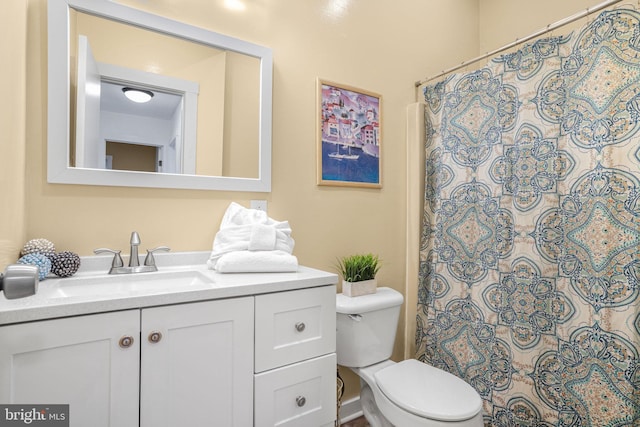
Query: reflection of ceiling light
[[137, 95], [237, 5], [338, 8]]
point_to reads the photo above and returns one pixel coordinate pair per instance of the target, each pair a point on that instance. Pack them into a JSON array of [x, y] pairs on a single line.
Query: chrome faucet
[[135, 242], [117, 265]]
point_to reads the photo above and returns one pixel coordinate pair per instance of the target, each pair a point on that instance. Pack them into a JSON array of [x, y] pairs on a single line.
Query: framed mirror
[[207, 122]]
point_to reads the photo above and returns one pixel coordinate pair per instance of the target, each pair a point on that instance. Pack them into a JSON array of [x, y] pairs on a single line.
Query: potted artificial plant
[[359, 274]]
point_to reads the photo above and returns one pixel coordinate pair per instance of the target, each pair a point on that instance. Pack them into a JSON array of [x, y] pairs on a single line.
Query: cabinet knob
[[300, 326], [300, 401], [155, 337], [126, 341]]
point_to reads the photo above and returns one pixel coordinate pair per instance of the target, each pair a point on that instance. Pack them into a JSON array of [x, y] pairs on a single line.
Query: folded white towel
[[262, 238], [243, 229], [257, 262]]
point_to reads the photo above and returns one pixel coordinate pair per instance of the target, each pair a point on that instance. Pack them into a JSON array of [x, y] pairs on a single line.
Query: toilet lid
[[428, 392]]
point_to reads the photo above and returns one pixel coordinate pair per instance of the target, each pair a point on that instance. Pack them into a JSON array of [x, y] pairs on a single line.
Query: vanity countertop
[[52, 300]]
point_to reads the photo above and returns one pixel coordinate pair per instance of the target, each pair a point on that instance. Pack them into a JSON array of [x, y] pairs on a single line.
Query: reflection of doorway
[[133, 157], [105, 114]]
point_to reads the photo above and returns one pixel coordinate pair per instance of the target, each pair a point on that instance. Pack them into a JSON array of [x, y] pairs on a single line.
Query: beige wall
[[501, 20], [371, 46], [13, 21], [376, 45]]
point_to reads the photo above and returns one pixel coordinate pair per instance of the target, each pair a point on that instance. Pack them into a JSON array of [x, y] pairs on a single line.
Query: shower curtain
[[529, 258]]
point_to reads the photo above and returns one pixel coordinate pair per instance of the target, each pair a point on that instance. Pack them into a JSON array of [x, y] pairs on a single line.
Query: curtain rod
[[518, 41]]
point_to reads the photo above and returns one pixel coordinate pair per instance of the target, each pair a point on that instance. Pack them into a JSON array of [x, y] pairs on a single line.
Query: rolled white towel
[[262, 238], [243, 229], [239, 215], [257, 262]]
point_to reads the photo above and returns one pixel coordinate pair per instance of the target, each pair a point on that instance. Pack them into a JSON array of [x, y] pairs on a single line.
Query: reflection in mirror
[[207, 124], [155, 124], [104, 111]]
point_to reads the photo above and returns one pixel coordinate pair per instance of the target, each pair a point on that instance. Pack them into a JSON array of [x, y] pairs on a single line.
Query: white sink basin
[[128, 284]]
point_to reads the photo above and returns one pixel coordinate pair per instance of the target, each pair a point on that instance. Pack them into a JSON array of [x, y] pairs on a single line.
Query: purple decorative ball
[[65, 264], [39, 260]]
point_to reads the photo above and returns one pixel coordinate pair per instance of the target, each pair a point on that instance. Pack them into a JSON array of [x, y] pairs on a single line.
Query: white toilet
[[405, 394]]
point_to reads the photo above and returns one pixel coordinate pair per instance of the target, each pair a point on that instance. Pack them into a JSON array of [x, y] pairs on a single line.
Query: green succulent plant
[[356, 268]]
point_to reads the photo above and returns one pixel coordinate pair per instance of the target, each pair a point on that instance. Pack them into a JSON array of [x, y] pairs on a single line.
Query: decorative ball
[[39, 246], [65, 264], [39, 260]]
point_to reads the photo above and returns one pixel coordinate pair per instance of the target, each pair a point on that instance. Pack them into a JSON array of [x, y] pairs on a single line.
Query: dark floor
[[358, 422]]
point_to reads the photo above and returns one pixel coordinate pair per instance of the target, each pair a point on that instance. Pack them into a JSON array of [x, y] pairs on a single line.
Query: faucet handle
[[117, 259], [149, 259]]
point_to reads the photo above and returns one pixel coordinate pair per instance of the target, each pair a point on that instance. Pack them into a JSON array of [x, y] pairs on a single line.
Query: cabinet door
[[197, 364], [77, 361]]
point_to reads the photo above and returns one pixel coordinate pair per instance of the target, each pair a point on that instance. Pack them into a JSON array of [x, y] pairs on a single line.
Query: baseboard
[[350, 409]]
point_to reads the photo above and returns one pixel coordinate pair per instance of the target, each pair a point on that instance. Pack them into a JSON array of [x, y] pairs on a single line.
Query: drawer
[[298, 395], [294, 326]]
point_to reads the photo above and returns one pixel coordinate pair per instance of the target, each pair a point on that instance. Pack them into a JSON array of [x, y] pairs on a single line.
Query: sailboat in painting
[[341, 156]]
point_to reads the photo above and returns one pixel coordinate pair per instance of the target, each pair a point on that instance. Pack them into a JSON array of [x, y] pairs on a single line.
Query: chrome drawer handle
[[126, 341], [300, 401], [155, 337], [300, 326]]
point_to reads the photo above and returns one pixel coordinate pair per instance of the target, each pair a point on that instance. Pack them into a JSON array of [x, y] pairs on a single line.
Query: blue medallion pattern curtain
[[529, 255]]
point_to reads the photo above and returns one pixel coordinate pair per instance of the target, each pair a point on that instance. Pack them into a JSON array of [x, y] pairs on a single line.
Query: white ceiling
[[161, 106]]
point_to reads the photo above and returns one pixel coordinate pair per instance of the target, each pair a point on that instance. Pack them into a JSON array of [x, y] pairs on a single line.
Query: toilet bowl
[[404, 394]]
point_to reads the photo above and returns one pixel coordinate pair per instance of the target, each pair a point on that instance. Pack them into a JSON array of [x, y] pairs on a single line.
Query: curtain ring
[[590, 18]]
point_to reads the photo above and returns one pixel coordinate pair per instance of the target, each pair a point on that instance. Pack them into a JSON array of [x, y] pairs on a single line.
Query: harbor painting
[[349, 134]]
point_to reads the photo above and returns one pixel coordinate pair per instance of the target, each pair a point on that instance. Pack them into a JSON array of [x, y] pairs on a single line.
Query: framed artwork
[[349, 136]]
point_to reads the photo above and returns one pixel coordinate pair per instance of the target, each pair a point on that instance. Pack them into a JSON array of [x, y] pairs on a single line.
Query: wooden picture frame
[[349, 136]]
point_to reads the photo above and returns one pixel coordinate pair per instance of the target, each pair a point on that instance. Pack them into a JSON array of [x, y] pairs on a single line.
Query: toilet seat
[[428, 392]]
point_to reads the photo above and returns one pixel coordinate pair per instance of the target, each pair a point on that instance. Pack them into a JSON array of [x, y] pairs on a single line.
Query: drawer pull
[[126, 341], [300, 401], [155, 337], [300, 326]]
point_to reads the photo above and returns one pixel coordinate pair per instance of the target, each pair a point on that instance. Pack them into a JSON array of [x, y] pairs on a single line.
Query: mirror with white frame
[[208, 122]]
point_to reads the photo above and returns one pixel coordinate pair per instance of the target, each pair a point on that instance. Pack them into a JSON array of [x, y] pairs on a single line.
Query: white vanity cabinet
[[191, 363], [265, 357]]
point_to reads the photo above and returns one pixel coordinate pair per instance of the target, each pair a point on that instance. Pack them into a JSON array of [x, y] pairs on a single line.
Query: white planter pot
[[355, 289]]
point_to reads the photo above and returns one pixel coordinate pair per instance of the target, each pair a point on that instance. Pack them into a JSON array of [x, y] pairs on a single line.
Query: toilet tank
[[366, 327]]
